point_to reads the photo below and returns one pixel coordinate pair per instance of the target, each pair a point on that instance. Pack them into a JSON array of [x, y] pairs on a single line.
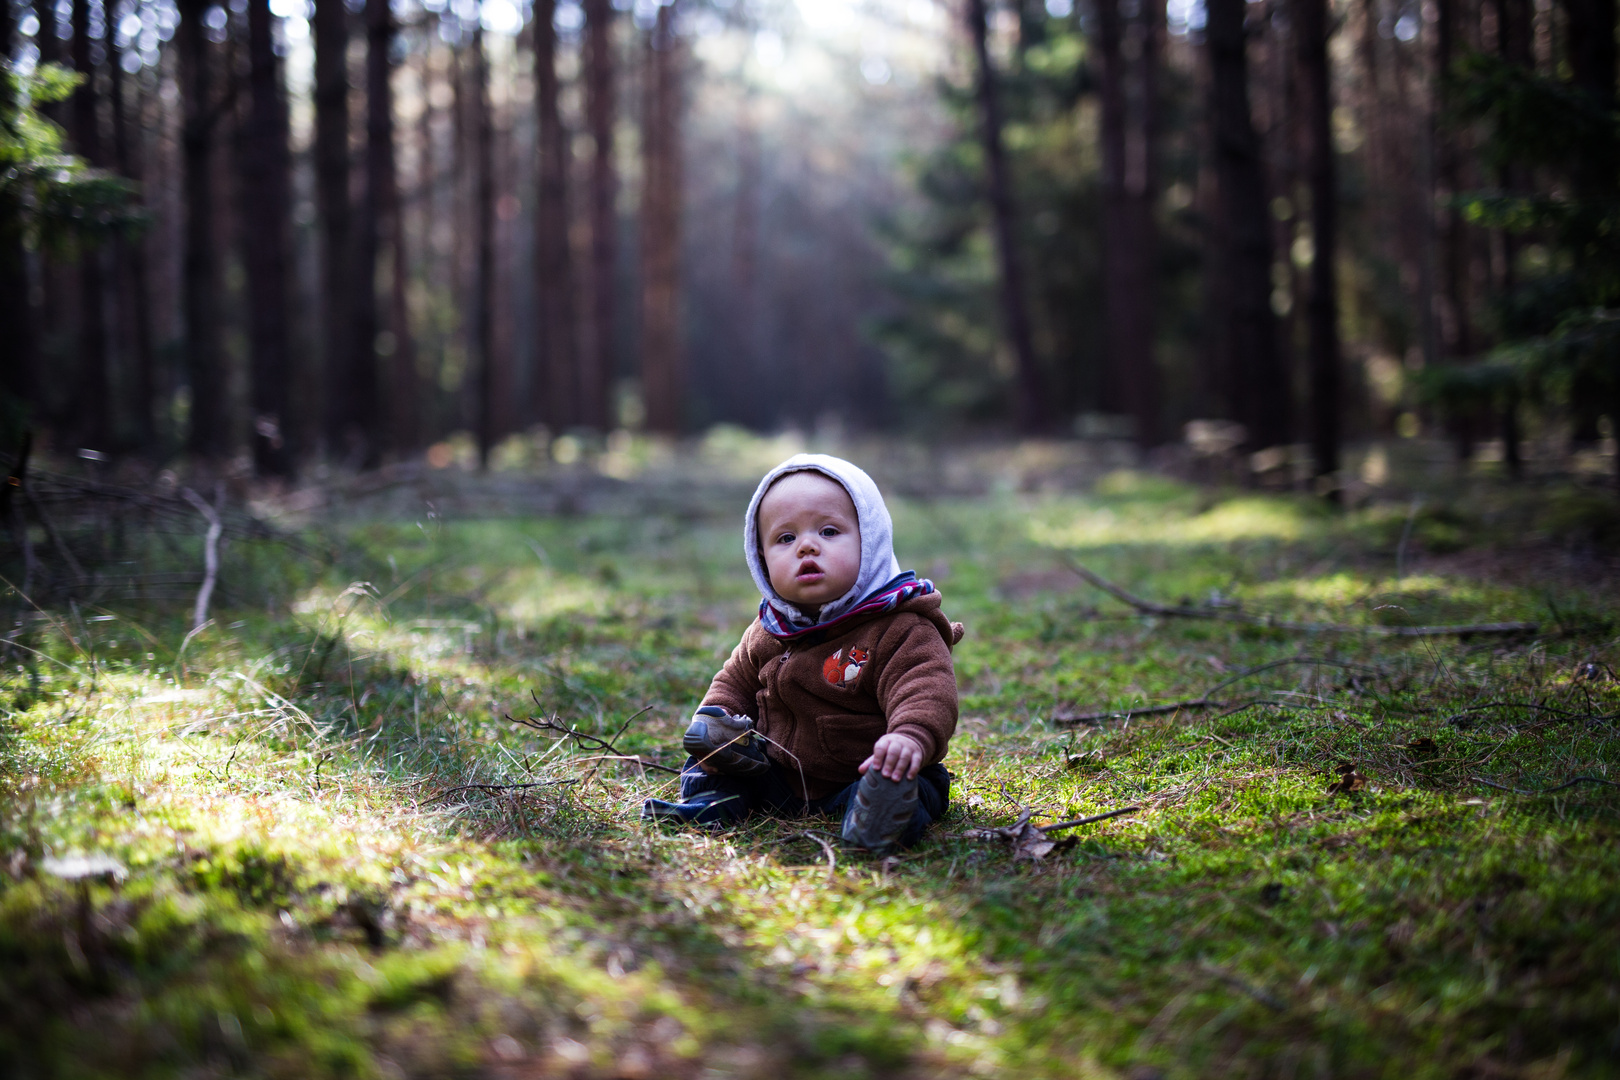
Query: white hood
[[878, 564]]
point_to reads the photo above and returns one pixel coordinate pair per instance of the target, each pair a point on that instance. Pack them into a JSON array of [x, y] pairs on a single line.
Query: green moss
[[313, 889]]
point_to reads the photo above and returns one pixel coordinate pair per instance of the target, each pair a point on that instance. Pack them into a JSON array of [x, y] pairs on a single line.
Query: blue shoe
[[716, 809], [725, 743]]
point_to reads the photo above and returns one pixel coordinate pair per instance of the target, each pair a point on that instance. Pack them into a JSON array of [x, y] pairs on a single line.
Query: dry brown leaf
[[1422, 748], [1028, 841], [1350, 779]]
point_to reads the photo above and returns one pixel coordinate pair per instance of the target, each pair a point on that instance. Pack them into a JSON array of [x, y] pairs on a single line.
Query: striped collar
[[887, 597]]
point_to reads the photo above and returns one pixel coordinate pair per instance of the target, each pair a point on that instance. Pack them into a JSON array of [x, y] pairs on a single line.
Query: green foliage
[[945, 344], [46, 195], [1561, 350]]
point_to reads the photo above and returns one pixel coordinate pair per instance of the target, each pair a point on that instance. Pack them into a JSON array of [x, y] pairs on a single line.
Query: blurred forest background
[[284, 234]]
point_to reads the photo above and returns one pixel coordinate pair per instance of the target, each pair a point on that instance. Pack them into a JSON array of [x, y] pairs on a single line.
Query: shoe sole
[[880, 812]]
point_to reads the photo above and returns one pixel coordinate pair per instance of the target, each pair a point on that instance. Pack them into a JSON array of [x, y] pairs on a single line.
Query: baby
[[841, 697]]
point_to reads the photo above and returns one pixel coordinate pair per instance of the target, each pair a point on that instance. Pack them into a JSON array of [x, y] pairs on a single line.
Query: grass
[[303, 891]]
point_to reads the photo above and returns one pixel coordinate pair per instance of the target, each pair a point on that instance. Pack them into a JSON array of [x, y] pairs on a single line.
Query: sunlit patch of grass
[[1149, 522], [313, 889]]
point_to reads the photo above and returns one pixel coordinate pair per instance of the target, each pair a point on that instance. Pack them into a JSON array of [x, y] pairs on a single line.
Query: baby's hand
[[895, 756]]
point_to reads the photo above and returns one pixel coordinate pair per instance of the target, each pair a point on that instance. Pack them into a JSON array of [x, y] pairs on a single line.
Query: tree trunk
[[598, 357], [264, 166], [373, 216], [1142, 386], [1118, 280], [662, 377], [1514, 32], [93, 398], [135, 308], [1249, 358], [1592, 65], [1032, 411], [404, 395], [17, 359], [742, 369], [555, 349], [1129, 137], [1456, 333], [483, 335], [200, 275], [331, 28], [1311, 23], [424, 419]]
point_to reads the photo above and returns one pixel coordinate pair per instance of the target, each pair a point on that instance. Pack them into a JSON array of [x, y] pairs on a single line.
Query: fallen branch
[[210, 552], [1188, 611], [1206, 701], [1571, 782], [14, 519], [1146, 710], [1563, 714], [1031, 841], [1269, 1000], [832, 862], [592, 742], [500, 787], [1088, 820], [56, 538]]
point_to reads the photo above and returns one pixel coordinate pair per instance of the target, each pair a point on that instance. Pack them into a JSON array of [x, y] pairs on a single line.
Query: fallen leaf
[[1422, 748], [1028, 841], [1094, 759], [1350, 779]]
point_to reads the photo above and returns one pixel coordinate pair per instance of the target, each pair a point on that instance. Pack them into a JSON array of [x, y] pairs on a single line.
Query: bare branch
[[1049, 829], [592, 742], [210, 551], [1185, 611], [1571, 782], [1146, 710], [501, 787]]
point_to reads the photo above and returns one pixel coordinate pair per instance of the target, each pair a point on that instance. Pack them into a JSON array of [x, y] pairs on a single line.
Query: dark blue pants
[[730, 799]]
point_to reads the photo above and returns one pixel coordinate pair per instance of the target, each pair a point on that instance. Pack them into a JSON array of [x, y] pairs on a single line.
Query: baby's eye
[[829, 530], [785, 538]]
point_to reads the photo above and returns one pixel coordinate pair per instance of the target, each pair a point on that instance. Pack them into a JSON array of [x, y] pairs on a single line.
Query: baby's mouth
[[808, 571]]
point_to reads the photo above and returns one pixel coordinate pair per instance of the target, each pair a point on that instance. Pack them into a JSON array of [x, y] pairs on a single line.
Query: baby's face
[[810, 538]]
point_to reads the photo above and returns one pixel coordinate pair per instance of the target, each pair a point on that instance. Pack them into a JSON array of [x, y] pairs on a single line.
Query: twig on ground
[[1571, 782], [1206, 701], [1406, 534], [501, 787], [832, 862], [1030, 841], [1563, 714], [1270, 1001], [14, 516], [1088, 820], [56, 538], [591, 742], [616, 734], [210, 552], [1185, 611], [1146, 710]]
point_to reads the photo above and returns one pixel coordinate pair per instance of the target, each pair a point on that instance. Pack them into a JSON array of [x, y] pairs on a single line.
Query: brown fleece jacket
[[823, 706]]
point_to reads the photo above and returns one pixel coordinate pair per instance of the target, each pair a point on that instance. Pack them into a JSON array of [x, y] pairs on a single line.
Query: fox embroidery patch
[[841, 670]]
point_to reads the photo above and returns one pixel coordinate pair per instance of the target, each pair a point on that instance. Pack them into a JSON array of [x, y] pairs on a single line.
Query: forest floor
[[261, 850]]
